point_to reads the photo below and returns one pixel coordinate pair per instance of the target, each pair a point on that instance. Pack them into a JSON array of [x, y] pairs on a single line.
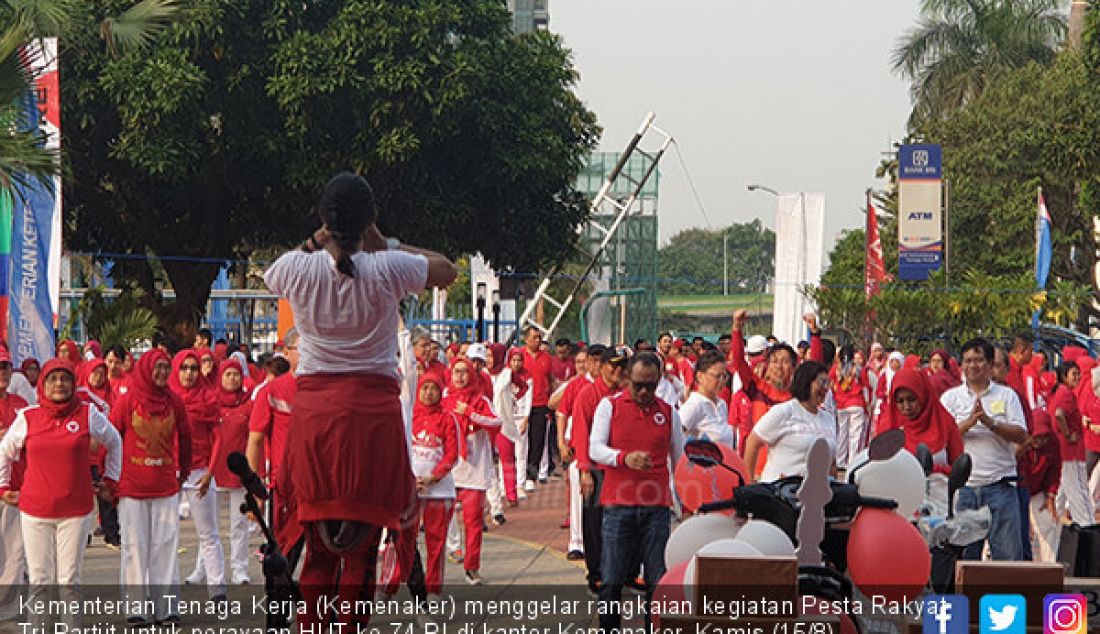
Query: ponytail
[[347, 209]]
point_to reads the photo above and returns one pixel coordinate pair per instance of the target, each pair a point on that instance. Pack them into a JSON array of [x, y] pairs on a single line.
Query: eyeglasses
[[189, 368], [824, 382]]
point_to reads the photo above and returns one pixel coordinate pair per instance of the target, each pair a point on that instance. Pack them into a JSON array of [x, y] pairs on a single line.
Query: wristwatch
[[393, 244]]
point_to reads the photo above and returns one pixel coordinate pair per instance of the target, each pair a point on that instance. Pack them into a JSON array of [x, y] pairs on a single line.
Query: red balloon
[[697, 485], [670, 589], [879, 536]]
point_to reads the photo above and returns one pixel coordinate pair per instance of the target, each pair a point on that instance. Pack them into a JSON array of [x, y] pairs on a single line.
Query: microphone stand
[[279, 587]]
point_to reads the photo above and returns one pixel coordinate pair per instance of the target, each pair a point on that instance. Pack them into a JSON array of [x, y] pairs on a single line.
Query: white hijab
[[889, 371]]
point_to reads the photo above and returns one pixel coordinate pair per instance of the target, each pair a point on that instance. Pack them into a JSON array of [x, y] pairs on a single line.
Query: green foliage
[[119, 321], [691, 263], [22, 159], [960, 47], [216, 140]]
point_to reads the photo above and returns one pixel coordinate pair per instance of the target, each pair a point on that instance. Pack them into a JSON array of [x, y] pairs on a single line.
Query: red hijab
[[151, 398], [221, 352], [472, 390], [103, 392], [209, 381], [226, 398], [499, 352], [74, 351], [198, 399], [97, 350], [52, 409], [420, 410], [520, 377], [942, 380], [933, 426], [912, 362]]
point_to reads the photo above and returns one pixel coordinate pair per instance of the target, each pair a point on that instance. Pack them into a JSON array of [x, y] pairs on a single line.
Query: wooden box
[[1032, 579], [721, 580]]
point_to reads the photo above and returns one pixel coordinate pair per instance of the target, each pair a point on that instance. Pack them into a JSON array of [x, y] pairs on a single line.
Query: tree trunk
[[1076, 28], [191, 281]]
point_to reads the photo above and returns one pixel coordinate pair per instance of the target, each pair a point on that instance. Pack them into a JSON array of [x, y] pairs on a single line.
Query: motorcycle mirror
[[924, 457], [703, 452], [883, 447], [960, 473]]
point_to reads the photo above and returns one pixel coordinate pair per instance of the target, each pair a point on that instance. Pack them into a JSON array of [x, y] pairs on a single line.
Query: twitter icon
[[1003, 614]]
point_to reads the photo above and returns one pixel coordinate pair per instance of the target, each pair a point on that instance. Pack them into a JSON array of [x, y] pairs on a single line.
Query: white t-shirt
[[790, 430], [347, 324], [994, 457], [704, 417]]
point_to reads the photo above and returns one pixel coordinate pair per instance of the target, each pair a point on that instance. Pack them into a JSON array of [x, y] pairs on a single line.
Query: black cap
[[615, 355]]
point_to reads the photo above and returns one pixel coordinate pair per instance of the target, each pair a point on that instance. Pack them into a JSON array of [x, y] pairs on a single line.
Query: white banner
[[799, 247]]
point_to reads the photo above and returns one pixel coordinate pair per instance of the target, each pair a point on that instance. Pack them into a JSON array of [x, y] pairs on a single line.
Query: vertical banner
[[5, 260], [799, 248], [920, 210], [36, 222]]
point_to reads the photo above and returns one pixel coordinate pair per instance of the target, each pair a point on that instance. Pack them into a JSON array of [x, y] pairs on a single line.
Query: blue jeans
[[1005, 543], [1025, 520], [631, 534]]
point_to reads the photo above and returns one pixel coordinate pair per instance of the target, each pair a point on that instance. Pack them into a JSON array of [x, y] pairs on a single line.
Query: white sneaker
[[521, 494], [185, 510], [196, 578], [529, 486], [241, 580]]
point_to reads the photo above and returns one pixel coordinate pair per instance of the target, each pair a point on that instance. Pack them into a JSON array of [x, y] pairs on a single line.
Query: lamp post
[[725, 263], [482, 288], [496, 315]]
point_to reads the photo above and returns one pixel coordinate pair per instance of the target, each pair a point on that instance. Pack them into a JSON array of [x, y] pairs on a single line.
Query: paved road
[[522, 561]]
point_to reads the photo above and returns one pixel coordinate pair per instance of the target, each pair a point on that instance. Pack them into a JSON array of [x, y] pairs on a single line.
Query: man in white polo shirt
[[991, 422]]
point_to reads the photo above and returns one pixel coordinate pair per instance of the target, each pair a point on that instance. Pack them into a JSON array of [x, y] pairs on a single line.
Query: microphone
[[238, 464]]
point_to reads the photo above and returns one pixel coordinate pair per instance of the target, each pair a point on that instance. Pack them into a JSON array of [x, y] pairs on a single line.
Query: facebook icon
[[946, 614]]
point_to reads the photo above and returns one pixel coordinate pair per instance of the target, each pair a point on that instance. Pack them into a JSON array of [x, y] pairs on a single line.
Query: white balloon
[[900, 478], [696, 532], [766, 537], [720, 548]]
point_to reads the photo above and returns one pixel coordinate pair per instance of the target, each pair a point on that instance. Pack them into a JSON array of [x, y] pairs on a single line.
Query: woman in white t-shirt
[[346, 471], [790, 429], [704, 414]]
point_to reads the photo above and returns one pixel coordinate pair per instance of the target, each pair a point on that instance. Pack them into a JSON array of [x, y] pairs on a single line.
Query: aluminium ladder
[[622, 209]]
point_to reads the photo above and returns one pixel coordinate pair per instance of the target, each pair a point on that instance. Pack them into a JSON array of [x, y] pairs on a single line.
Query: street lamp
[[763, 188], [482, 288], [496, 315], [725, 264]]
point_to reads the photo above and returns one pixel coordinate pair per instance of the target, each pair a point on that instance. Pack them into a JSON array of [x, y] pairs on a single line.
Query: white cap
[[756, 344], [477, 351]]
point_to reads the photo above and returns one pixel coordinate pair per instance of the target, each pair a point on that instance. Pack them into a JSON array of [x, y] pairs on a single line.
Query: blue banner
[[30, 324]]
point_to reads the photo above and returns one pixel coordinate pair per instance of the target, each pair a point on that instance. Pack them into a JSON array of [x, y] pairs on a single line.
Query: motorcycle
[[777, 502], [946, 531]]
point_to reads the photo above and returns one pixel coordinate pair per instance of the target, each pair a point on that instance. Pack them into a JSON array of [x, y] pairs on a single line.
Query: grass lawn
[[714, 303]]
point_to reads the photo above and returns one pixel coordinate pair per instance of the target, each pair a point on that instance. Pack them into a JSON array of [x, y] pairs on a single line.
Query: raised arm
[[736, 360]]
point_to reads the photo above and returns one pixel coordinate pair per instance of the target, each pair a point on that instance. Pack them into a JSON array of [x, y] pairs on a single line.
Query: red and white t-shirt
[[271, 417], [56, 457], [435, 451]]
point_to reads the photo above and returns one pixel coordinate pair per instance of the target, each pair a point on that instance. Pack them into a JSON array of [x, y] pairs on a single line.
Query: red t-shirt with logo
[[539, 366], [271, 417], [156, 448]]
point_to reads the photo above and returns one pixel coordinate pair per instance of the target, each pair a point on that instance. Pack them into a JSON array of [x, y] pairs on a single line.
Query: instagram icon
[[1064, 614]]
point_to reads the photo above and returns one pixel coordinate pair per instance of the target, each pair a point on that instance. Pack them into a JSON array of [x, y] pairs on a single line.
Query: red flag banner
[[874, 270]]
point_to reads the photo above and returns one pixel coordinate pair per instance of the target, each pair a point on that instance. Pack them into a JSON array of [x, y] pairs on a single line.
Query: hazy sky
[[793, 94]]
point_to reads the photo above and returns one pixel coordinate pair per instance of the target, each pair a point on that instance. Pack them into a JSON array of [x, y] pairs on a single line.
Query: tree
[[688, 263], [960, 47], [217, 140], [23, 160]]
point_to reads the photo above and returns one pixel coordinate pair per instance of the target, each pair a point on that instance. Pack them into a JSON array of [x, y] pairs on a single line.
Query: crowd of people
[[461, 435]]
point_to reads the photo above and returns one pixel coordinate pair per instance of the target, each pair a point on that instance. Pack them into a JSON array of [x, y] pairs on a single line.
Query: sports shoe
[[241, 580], [575, 555], [499, 519], [520, 495], [529, 486], [456, 556], [473, 578], [196, 578], [637, 586]]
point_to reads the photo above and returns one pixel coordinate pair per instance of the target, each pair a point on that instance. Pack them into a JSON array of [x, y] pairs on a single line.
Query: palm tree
[[959, 46], [22, 159]]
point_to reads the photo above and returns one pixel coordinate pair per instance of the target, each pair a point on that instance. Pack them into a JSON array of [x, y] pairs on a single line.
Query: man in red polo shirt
[[537, 362], [634, 435], [608, 379]]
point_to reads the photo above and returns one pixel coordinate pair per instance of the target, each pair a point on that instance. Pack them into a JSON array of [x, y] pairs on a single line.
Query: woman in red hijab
[[514, 386], [941, 373], [53, 441], [473, 475], [69, 351], [31, 369], [235, 407], [914, 409], [208, 369], [202, 412], [156, 452]]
